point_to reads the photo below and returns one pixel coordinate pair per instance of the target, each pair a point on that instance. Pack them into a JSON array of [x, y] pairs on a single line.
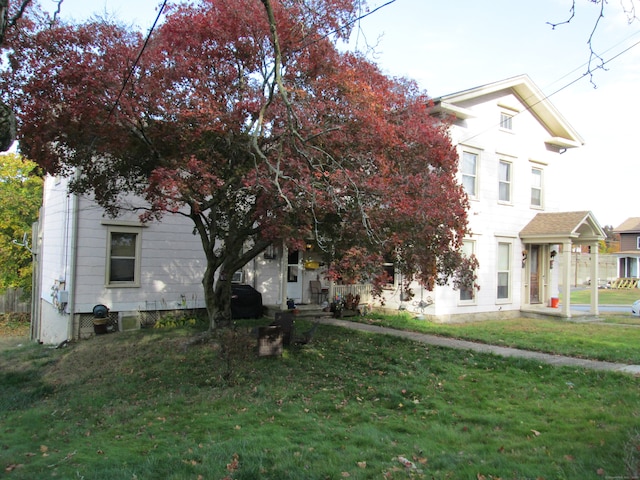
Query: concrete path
[[484, 348]]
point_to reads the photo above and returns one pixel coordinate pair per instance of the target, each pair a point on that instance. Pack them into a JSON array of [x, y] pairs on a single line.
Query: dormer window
[[506, 121]]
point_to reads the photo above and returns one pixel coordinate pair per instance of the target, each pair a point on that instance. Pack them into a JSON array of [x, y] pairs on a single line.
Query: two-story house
[[509, 138], [629, 254]]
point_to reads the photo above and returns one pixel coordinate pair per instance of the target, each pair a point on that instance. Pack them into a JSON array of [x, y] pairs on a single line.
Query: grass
[[607, 296], [584, 340], [154, 404]]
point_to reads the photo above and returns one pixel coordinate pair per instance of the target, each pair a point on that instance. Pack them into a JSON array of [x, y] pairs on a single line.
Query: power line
[[135, 63]]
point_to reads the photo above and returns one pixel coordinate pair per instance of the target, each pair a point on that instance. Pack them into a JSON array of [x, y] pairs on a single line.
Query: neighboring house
[[629, 254], [509, 137]]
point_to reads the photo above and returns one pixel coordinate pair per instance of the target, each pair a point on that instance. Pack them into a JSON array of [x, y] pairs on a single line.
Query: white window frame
[[508, 181], [540, 187], [473, 176], [468, 248], [638, 242], [504, 264], [137, 258]]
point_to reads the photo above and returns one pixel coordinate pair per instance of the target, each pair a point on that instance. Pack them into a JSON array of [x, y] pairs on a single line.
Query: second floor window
[[504, 181], [470, 173], [536, 187]]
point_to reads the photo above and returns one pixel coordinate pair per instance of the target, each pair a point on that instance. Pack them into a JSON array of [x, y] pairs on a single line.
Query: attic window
[[506, 121]]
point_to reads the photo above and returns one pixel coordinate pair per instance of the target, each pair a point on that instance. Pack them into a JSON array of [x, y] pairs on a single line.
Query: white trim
[[137, 259]]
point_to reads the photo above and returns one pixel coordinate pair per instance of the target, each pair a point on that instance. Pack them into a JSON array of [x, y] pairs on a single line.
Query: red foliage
[[202, 124]]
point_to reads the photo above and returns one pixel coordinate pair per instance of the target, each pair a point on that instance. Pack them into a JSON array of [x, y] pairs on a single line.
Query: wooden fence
[[11, 301]]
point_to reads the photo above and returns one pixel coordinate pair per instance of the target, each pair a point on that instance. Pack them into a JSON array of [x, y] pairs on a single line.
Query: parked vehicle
[[635, 308]]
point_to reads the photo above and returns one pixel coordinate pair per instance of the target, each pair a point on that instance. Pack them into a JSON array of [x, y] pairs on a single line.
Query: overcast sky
[[454, 45]]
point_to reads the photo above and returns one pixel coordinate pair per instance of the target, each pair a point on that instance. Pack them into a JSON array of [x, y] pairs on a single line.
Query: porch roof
[[559, 227]]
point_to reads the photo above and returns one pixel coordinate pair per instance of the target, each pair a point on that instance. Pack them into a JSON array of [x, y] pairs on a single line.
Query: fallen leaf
[[535, 432], [600, 471], [346, 474], [362, 464], [44, 449]]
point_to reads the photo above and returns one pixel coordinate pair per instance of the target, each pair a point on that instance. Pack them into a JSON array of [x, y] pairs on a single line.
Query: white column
[[594, 278], [566, 279]]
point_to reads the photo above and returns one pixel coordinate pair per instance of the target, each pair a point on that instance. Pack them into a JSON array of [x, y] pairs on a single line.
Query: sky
[[451, 46]]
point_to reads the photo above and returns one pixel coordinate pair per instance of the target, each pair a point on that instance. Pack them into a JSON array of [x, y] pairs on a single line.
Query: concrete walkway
[[484, 348]]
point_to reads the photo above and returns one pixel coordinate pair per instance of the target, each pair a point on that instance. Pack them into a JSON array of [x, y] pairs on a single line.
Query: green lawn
[[607, 296], [615, 343], [150, 405]]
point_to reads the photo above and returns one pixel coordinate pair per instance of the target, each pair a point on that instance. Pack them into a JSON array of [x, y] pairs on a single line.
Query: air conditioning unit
[[237, 277]]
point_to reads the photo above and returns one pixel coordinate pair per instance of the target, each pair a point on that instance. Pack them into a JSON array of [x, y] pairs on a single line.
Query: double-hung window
[[536, 187], [123, 256], [467, 292], [504, 181], [504, 271], [470, 173]]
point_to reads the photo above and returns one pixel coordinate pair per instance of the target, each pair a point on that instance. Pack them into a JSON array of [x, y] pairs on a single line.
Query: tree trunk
[[217, 296], [7, 127]]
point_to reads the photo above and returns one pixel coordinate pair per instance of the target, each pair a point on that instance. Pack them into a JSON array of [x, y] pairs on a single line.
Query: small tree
[[244, 116], [20, 199]]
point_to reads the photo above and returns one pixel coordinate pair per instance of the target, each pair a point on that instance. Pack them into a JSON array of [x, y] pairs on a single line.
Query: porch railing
[[362, 289]]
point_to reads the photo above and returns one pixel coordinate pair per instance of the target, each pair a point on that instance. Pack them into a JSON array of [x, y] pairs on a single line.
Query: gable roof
[[563, 135], [557, 227], [630, 225]]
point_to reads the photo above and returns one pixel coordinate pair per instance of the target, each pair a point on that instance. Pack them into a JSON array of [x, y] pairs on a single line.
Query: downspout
[[71, 282]]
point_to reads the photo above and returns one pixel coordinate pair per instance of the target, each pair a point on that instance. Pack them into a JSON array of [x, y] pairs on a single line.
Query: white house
[[509, 137]]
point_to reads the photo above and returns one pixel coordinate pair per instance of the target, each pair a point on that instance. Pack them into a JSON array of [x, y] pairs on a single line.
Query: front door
[[294, 276], [534, 275]]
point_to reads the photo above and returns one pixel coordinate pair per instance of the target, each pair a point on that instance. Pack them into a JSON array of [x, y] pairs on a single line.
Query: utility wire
[[135, 64], [589, 72]]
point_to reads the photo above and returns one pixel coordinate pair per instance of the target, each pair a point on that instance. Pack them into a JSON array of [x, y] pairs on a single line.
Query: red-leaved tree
[[245, 116]]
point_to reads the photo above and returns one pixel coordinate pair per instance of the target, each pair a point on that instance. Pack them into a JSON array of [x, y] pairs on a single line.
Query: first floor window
[[467, 291], [504, 270], [123, 259]]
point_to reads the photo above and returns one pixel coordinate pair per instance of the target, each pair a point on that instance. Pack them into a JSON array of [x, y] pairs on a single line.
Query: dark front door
[[534, 276]]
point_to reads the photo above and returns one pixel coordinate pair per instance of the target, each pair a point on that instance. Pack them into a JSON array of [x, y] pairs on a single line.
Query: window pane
[[123, 244], [536, 197], [122, 270], [469, 184], [503, 256], [504, 192], [503, 285], [469, 161]]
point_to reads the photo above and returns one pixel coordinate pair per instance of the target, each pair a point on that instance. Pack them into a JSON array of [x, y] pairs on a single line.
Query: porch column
[[284, 265], [594, 278], [566, 279]]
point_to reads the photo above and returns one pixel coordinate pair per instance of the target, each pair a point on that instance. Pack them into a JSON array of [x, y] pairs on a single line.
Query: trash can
[[100, 319]]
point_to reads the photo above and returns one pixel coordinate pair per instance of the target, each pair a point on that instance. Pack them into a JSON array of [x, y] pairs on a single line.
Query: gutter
[[73, 262]]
